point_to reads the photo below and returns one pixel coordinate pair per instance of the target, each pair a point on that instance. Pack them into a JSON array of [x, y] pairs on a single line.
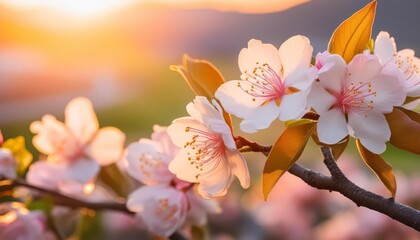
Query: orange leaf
[[353, 35], [202, 77], [285, 152], [381, 168], [405, 129], [337, 149]]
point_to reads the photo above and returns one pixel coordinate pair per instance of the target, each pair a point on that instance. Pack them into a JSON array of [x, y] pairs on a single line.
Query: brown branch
[[339, 183]]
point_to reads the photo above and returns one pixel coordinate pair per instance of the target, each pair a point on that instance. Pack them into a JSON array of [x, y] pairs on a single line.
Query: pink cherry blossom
[[352, 99], [165, 203], [208, 154], [75, 149], [274, 83], [24, 225], [8, 164], [405, 60]]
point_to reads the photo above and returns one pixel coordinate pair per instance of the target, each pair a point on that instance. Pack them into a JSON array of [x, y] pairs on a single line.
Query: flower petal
[[293, 106], [372, 129], [239, 167], [320, 99], [80, 119], [385, 47], [257, 54], [162, 208], [8, 164], [199, 207], [215, 178], [177, 130], [333, 78], [107, 147], [147, 163], [363, 68], [332, 126], [82, 170], [160, 134], [260, 118], [45, 174], [295, 54], [182, 167]]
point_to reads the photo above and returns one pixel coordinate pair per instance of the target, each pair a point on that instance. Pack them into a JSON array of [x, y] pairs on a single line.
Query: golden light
[[88, 188], [8, 217], [77, 8]]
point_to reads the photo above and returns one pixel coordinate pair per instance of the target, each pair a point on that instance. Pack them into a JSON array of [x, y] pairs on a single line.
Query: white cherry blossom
[[208, 154], [352, 99], [8, 164], [165, 203], [275, 83], [75, 149], [405, 60]]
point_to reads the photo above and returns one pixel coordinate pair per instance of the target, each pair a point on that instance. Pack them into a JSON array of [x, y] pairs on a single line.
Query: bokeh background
[[118, 54]]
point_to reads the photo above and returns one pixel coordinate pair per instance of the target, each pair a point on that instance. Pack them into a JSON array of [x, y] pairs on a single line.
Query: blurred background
[[118, 53]]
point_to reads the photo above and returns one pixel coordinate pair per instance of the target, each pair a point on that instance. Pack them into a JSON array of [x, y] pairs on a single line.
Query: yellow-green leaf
[[405, 132], [202, 77], [353, 35], [23, 156], [380, 167], [291, 123], [285, 152]]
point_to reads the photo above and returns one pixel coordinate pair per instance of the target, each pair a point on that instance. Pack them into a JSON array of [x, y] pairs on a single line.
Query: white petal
[[161, 135], [107, 147], [8, 164], [202, 110], [371, 128], [320, 99], [45, 174], [82, 170], [385, 47], [216, 178], [389, 92], [147, 163], [235, 100], [199, 208], [333, 78], [332, 126], [301, 80], [162, 208], [295, 54], [260, 118], [52, 137], [177, 130], [293, 106], [363, 68], [80, 118], [261, 53], [183, 169], [239, 167]]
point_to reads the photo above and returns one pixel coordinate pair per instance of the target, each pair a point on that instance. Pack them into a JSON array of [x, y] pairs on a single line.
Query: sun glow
[[77, 8]]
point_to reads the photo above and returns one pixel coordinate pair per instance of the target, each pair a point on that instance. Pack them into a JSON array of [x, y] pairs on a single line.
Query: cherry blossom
[[274, 83], [21, 224], [165, 203], [405, 60], [352, 99], [208, 154], [8, 164], [75, 149]]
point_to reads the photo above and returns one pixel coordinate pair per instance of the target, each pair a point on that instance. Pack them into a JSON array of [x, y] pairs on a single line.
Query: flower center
[[355, 98], [205, 150], [265, 83], [409, 68], [165, 211], [150, 164]]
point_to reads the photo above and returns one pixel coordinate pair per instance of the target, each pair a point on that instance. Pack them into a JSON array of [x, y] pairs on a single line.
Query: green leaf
[[23, 156], [405, 129], [380, 167], [89, 226], [353, 35], [44, 204], [202, 77], [285, 152]]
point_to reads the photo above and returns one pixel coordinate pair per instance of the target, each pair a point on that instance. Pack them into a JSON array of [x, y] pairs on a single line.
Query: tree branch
[[340, 183]]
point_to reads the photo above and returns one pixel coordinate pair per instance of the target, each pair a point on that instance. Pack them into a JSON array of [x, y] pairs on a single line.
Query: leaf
[[198, 232], [113, 178], [291, 123], [23, 156], [285, 152], [353, 35], [405, 129], [380, 167], [202, 77], [336, 149]]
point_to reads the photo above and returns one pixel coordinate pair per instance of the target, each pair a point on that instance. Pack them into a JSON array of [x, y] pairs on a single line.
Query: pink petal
[[293, 106], [81, 120], [385, 47], [260, 118], [332, 126], [183, 169], [320, 99], [295, 54], [45, 174], [177, 130], [215, 178], [199, 208], [239, 167], [363, 68], [333, 78], [372, 129], [260, 53], [107, 147], [161, 135]]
